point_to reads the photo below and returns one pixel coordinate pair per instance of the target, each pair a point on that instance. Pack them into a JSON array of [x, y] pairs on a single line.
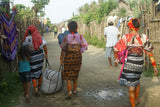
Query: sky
[[59, 10]]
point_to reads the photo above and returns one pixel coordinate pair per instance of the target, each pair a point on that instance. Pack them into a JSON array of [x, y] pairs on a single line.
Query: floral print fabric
[[74, 39]]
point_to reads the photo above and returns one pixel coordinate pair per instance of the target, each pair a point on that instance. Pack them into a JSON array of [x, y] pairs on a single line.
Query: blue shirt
[[24, 66]]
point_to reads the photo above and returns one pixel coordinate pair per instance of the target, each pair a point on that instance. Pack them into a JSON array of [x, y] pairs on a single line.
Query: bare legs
[[133, 95], [69, 87], [34, 81], [110, 61], [26, 86], [137, 94]]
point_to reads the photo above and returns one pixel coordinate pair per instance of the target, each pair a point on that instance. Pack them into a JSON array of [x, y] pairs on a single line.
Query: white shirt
[[43, 43], [111, 33], [63, 29]]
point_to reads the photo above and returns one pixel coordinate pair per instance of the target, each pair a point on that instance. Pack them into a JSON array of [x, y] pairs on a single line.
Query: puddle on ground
[[107, 94]]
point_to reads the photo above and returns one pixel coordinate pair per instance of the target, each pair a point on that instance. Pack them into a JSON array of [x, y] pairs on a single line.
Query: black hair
[[24, 53], [136, 23], [72, 26], [110, 24], [29, 32]]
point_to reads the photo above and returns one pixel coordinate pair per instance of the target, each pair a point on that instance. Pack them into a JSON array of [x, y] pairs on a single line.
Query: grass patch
[[10, 89], [150, 71], [95, 41]]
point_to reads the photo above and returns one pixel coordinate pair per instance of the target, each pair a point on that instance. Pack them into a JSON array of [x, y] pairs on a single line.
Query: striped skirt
[[36, 63], [72, 65], [132, 71]]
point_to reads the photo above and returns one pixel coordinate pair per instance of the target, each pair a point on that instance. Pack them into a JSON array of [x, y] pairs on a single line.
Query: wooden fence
[[21, 25], [97, 30]]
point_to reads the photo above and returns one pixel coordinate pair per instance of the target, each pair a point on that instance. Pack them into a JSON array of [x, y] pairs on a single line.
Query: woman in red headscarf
[[37, 44], [73, 46], [135, 44]]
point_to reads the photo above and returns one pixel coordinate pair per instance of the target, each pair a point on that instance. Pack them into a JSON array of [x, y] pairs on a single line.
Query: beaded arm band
[[115, 54], [45, 49], [152, 59], [62, 55]]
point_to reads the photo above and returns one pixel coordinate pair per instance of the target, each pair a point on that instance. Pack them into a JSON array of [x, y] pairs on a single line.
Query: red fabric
[[154, 64], [131, 26], [7, 15], [36, 36], [121, 44]]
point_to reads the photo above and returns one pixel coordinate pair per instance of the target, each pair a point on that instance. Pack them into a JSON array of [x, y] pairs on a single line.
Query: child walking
[[24, 70]]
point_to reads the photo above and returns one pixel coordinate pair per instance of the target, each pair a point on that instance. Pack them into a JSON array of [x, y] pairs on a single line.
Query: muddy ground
[[97, 84]]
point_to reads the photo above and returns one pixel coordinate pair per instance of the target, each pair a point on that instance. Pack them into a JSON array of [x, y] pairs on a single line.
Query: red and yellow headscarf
[[131, 26]]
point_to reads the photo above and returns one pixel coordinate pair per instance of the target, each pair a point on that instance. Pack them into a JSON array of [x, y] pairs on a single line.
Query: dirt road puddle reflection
[[107, 94]]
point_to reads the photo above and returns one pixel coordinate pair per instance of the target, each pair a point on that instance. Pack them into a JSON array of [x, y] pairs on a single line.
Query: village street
[[97, 84]]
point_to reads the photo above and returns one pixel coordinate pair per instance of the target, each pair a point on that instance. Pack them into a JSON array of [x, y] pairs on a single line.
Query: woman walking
[[73, 46], [135, 44], [37, 45]]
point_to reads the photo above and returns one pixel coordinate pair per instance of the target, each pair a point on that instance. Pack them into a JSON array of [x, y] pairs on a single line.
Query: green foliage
[[122, 12], [20, 7], [49, 24], [39, 5], [25, 13], [150, 71], [42, 13], [87, 18], [134, 3], [10, 89], [104, 9], [3, 9], [76, 18], [136, 13], [95, 41], [96, 12]]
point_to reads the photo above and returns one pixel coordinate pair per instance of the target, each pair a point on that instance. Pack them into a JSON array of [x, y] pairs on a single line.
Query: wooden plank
[[155, 41], [155, 20]]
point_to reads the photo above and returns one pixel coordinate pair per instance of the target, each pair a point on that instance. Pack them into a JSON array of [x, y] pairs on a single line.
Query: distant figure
[[55, 31], [24, 70], [63, 29], [47, 29], [111, 33]]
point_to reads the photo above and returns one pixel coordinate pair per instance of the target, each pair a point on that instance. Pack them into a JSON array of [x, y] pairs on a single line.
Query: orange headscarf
[[36, 36], [131, 26]]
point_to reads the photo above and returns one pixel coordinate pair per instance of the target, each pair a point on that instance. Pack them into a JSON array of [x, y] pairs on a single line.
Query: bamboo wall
[[151, 28], [154, 36], [98, 29]]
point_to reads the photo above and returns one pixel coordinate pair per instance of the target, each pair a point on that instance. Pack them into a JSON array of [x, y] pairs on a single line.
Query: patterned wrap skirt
[[132, 71], [72, 65], [36, 63]]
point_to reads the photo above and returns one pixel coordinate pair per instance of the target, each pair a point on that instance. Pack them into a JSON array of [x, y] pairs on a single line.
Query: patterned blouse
[[74, 39], [134, 40]]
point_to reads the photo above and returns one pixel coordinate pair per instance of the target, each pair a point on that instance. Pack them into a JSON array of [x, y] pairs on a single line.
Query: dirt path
[[97, 84]]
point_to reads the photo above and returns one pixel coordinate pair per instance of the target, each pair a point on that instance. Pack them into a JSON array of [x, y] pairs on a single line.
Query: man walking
[[111, 33]]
